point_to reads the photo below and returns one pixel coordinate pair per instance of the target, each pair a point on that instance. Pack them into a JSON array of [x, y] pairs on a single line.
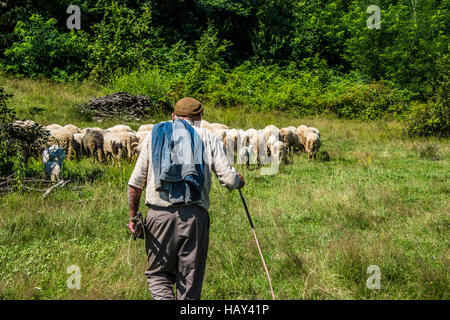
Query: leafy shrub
[[412, 37], [428, 119], [19, 140], [152, 83], [268, 88], [208, 70], [364, 101], [43, 51], [123, 40], [308, 92]]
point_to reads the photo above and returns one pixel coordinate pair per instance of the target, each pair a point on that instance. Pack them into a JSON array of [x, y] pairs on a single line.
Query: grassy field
[[382, 199]]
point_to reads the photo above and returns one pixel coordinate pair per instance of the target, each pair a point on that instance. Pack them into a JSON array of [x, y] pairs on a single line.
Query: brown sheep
[[64, 139], [290, 137], [93, 145]]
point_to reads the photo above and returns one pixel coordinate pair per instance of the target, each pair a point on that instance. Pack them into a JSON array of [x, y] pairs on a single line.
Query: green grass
[[382, 199]]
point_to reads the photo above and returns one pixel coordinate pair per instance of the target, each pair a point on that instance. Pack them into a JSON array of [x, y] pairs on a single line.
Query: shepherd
[[174, 166]]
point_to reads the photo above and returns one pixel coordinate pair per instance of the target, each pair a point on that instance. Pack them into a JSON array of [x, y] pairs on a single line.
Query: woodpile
[[120, 105]]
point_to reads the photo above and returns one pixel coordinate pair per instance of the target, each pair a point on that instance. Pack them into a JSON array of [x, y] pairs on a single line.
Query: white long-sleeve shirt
[[215, 160]]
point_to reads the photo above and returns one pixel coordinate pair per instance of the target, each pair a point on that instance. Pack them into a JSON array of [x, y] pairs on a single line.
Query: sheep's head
[[280, 152], [284, 135], [134, 149]]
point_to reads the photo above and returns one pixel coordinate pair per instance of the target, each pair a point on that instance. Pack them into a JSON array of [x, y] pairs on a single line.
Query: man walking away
[[175, 167]]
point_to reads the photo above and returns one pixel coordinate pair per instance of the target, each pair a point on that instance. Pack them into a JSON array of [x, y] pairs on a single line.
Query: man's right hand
[[241, 178], [131, 227]]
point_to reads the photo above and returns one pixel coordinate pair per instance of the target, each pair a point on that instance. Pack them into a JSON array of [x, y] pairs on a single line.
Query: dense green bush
[[123, 40], [428, 119], [42, 50], [308, 93], [377, 100], [310, 57], [413, 36], [208, 69], [152, 83]]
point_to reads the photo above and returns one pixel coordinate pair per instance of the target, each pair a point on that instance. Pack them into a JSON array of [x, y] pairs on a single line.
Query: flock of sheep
[[269, 144], [247, 147]]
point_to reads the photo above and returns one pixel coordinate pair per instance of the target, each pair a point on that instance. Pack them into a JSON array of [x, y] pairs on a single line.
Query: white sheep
[[218, 126], [220, 134], [271, 130], [270, 142], [129, 143], [85, 130], [78, 144], [232, 140], [312, 144], [120, 128], [71, 128], [258, 142], [112, 147], [205, 125], [142, 135], [246, 135], [244, 156], [63, 138], [53, 126], [315, 131], [145, 127], [279, 152]]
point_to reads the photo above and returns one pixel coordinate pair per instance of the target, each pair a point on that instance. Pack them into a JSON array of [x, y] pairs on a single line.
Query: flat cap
[[188, 107]]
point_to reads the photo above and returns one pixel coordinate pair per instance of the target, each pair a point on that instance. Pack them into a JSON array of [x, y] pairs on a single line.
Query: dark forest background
[[310, 57]]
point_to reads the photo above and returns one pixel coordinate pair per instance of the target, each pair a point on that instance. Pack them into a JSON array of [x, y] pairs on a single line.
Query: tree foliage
[[202, 46]]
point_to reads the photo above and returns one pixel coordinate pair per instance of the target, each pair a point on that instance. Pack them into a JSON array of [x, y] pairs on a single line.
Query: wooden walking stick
[[257, 243]]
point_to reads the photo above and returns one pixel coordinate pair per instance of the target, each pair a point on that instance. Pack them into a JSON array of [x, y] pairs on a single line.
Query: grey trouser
[[177, 246]]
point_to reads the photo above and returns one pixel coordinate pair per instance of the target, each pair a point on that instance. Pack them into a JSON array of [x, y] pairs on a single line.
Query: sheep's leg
[[129, 151], [119, 157], [100, 155], [69, 151]]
